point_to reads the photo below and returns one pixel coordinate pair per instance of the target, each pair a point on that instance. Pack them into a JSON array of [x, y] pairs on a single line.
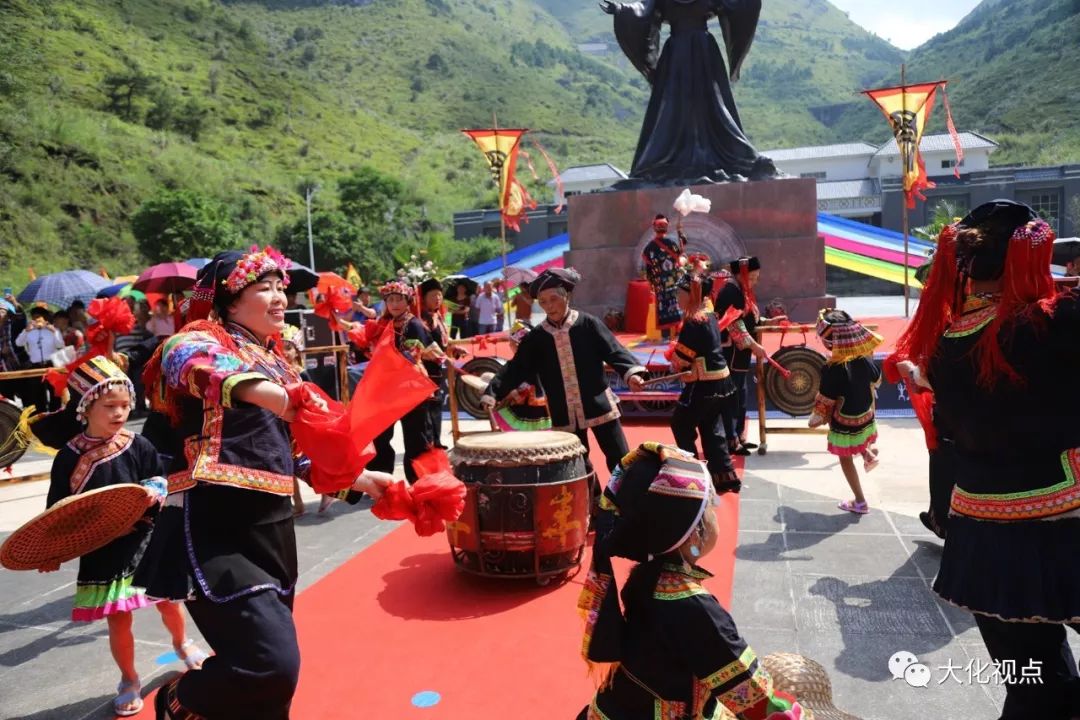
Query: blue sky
[[906, 24]]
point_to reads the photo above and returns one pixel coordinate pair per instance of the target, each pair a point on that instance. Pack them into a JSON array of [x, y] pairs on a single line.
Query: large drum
[[527, 508]]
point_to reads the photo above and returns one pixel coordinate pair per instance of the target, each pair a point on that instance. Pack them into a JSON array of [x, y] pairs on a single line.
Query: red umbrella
[[169, 277]]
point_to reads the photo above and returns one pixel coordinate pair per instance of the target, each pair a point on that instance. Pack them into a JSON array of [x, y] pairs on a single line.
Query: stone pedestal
[[775, 220]]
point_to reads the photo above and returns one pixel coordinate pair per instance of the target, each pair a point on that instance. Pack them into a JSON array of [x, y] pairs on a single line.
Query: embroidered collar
[[567, 321], [83, 442], [978, 312], [694, 571], [239, 331]]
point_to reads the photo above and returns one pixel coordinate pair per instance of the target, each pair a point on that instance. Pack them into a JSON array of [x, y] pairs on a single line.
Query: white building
[[586, 178], [850, 175]]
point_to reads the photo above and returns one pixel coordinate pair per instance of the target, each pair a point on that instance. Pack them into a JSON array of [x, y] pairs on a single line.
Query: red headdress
[[1017, 248]]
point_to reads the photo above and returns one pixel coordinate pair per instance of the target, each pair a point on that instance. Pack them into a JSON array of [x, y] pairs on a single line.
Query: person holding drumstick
[[567, 352], [225, 540]]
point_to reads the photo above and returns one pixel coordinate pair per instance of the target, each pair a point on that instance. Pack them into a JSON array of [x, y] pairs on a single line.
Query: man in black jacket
[[568, 352]]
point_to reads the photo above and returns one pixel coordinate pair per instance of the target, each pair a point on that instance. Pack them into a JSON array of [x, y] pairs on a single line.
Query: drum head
[[794, 395], [11, 449], [74, 527], [468, 390], [517, 448]]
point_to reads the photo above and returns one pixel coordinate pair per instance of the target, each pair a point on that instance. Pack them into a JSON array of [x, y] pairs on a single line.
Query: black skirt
[[1013, 571]]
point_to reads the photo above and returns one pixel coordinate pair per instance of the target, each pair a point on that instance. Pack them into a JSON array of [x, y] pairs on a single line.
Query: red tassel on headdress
[[1027, 290], [937, 304], [437, 497], [748, 290]]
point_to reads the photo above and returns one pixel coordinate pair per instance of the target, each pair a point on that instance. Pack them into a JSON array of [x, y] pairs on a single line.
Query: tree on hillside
[[339, 240], [372, 197], [122, 89], [178, 224]]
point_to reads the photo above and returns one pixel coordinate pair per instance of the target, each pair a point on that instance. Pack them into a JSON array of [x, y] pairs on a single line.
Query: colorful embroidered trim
[[699, 373], [978, 312], [94, 452], [589, 601], [94, 601], [854, 420], [254, 265], [1035, 504], [731, 671], [677, 584], [506, 421], [740, 335]]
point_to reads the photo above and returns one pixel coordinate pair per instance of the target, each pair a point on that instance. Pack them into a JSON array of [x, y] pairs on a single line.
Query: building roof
[[838, 190], [941, 143], [590, 173], [819, 152]]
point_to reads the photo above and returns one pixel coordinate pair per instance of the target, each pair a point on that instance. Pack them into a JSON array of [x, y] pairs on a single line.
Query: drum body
[[795, 394], [527, 508]]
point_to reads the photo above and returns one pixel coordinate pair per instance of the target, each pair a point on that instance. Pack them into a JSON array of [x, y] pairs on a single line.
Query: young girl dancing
[[846, 398], [106, 453]]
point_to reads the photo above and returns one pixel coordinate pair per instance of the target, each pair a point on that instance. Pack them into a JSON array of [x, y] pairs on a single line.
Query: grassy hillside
[[105, 103], [284, 91], [1011, 67]]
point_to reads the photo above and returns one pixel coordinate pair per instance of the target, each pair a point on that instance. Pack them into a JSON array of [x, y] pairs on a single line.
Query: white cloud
[[909, 24]]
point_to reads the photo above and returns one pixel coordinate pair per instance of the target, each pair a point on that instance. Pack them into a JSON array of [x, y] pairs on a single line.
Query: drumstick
[[662, 379], [784, 372]]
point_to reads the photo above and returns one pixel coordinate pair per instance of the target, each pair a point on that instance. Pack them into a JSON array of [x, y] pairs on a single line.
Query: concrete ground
[[847, 591]]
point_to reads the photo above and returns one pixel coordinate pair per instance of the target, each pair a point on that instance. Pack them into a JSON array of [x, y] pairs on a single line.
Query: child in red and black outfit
[[846, 398]]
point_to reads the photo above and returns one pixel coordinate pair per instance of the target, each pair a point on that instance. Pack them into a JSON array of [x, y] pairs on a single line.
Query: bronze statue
[[692, 132]]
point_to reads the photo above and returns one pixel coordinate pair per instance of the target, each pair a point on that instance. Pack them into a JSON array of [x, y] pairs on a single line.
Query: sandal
[[193, 656], [859, 508], [325, 503], [129, 694], [870, 464]]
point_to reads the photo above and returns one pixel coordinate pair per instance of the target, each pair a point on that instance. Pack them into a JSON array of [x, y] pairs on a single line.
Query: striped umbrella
[[63, 288]]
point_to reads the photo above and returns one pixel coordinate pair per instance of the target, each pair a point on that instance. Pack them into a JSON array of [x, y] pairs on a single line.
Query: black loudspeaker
[[316, 330]]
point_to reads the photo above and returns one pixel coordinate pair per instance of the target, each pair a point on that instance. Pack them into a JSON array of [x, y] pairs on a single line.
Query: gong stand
[[796, 377]]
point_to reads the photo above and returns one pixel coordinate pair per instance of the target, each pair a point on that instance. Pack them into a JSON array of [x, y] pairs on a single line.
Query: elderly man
[[490, 310], [567, 353]]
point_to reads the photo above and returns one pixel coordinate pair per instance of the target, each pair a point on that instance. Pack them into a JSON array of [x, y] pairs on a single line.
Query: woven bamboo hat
[[74, 527], [807, 681]]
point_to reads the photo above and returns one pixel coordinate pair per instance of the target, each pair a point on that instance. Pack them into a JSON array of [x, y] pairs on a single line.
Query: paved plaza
[[846, 591]]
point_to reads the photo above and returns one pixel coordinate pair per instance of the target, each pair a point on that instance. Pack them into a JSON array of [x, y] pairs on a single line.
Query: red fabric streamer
[[436, 498], [325, 436], [391, 386]]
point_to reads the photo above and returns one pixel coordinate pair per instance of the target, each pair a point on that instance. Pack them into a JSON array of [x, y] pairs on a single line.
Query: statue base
[[776, 220]]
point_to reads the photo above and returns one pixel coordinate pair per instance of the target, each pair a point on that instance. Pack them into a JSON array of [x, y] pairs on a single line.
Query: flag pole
[[502, 229], [903, 163]]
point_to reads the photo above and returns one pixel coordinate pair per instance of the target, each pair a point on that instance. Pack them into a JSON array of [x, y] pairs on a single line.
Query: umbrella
[[63, 288], [166, 277], [450, 282], [516, 277], [197, 263], [301, 277]]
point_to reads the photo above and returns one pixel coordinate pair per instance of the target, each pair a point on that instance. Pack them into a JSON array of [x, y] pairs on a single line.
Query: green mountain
[[1011, 67], [227, 107]]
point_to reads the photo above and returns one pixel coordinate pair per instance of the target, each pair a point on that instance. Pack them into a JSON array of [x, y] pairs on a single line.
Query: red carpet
[[399, 619]]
